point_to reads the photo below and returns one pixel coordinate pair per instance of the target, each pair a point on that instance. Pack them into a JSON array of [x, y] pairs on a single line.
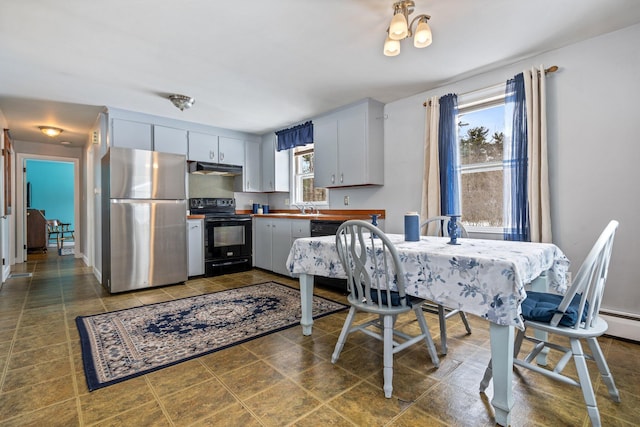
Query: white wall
[[594, 152]]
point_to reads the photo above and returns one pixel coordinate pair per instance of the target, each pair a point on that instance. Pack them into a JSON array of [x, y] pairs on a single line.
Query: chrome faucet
[[303, 208], [313, 207]]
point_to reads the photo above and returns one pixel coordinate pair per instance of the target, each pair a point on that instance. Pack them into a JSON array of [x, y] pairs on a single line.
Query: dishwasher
[[320, 227]]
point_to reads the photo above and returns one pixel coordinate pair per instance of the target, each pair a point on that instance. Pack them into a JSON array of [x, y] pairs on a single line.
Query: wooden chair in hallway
[[573, 316], [439, 226], [373, 268]]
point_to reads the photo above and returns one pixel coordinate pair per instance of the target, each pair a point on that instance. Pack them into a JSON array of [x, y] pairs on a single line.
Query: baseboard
[[622, 325]]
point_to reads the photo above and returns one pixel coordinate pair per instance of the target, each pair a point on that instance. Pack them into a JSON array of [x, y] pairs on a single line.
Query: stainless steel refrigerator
[[144, 232]]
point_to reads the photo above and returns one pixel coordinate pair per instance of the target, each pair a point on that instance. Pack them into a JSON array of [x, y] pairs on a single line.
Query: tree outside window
[[481, 138], [305, 191]]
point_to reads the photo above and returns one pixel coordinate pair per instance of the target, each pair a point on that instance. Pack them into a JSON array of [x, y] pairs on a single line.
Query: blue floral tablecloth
[[483, 277]]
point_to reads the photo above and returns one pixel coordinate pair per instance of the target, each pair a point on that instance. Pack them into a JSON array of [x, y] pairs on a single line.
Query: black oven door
[[227, 238]]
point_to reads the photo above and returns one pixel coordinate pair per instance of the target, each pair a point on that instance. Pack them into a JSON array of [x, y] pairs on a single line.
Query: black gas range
[[227, 235]]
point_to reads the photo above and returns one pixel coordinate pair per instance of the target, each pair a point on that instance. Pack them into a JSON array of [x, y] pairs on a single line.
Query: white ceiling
[[258, 65]]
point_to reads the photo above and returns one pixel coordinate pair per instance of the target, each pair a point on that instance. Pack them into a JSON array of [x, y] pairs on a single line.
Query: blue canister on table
[[255, 207], [265, 209], [412, 227]]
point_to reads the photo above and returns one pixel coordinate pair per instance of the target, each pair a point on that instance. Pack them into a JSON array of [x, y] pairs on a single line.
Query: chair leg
[[603, 367], [387, 370], [443, 329], [343, 334], [585, 382], [431, 347], [463, 316]]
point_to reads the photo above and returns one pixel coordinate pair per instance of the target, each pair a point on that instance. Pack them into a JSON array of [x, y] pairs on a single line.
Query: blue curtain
[[516, 205], [449, 156], [295, 136]]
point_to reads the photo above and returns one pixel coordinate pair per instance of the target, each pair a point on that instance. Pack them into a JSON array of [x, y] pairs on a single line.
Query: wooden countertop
[[325, 214], [195, 216]]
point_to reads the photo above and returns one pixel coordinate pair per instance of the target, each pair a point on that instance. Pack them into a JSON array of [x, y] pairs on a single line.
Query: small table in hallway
[[483, 277]]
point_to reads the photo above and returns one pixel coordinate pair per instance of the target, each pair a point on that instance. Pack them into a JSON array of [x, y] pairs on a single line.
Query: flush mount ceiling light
[[50, 131], [182, 101], [400, 29]]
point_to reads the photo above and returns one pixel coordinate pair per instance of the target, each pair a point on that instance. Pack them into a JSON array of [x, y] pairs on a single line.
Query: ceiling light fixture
[[182, 101], [400, 29], [50, 130]]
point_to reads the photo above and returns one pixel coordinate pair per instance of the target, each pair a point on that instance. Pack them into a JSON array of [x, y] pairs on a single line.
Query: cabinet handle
[[222, 157], [212, 155], [333, 179], [341, 178]]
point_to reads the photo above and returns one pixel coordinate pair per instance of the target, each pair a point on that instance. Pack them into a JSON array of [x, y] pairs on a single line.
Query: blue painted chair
[[573, 316], [373, 268]]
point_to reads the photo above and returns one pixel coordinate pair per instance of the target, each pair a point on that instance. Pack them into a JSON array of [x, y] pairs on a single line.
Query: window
[[481, 136], [304, 190]]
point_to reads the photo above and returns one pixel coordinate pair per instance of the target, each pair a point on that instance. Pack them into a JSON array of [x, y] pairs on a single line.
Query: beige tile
[[34, 374], [323, 416], [148, 415], [106, 402], [63, 414], [325, 380], [194, 403], [27, 399], [173, 378], [251, 379], [365, 405], [228, 359], [231, 416], [282, 404]]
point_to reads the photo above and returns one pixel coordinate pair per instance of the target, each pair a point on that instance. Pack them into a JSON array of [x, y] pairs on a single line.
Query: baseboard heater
[[622, 325]]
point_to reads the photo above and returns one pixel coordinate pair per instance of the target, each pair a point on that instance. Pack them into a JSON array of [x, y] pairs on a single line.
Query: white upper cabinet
[[130, 134], [275, 165], [349, 146], [231, 151], [216, 149], [203, 147], [169, 140], [252, 170]]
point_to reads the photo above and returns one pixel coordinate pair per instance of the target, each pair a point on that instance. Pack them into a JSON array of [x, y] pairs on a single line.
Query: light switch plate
[[346, 200]]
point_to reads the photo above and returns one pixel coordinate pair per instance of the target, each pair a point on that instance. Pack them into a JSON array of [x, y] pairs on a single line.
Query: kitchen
[[592, 162]]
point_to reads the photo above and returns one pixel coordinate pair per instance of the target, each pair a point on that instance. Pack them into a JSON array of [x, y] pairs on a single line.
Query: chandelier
[[182, 101], [400, 29]]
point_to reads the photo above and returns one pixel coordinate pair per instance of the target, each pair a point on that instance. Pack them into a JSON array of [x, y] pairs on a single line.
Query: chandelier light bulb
[[422, 38], [398, 28], [391, 47]]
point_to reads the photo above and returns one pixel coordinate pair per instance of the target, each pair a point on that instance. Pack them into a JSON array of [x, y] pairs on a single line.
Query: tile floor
[[279, 380]]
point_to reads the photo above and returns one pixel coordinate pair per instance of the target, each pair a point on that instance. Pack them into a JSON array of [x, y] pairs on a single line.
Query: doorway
[[60, 172]]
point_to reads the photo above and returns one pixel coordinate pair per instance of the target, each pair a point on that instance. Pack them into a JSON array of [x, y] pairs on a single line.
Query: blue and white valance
[[295, 136]]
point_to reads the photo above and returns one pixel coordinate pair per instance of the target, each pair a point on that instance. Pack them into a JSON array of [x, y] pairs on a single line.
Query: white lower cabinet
[[273, 240], [195, 247]]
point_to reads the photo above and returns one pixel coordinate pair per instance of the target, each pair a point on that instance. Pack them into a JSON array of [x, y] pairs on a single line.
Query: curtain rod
[[551, 69]]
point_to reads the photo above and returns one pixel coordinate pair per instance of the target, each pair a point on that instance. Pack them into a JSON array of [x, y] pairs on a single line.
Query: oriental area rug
[[124, 344]]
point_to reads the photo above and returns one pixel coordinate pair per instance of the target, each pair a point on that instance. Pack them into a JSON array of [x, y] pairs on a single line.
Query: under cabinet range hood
[[204, 168]]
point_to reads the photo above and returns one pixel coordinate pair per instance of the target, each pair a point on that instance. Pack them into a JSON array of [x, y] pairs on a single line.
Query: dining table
[[487, 278]]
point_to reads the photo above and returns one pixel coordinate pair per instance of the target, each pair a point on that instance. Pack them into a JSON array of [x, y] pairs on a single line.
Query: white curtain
[[538, 167], [431, 179]]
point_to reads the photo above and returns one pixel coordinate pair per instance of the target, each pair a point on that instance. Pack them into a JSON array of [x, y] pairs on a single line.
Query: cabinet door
[[169, 140], [203, 147], [128, 134], [280, 245], [195, 238], [352, 147], [230, 151], [325, 152], [262, 247], [275, 166], [252, 172]]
